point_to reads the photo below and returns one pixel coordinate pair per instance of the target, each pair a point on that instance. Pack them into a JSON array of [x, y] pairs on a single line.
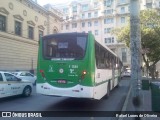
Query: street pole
[[135, 47]]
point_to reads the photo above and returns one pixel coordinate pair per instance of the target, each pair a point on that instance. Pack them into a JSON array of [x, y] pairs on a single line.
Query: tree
[[150, 38]]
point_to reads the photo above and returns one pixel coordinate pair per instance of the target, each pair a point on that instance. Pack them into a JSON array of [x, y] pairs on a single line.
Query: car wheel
[[34, 83], [27, 91]]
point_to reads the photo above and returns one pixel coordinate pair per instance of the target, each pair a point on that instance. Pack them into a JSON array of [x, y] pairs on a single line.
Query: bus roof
[[71, 33]]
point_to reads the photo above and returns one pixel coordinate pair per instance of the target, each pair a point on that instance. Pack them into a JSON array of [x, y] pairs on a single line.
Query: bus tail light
[[83, 74], [42, 73]]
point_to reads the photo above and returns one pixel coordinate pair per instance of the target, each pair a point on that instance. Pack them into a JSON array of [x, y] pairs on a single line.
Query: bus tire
[[108, 92], [117, 86], [27, 91]]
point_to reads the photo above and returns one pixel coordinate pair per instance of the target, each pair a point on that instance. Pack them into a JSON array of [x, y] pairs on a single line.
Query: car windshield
[[64, 47]]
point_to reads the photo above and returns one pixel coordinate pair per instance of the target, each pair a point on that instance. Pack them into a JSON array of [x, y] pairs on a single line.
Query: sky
[[43, 2]]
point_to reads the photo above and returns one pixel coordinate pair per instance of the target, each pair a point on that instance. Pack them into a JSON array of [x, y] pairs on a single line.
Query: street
[[37, 102]]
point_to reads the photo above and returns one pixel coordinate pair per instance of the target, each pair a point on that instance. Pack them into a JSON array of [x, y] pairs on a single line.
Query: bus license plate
[[62, 81]]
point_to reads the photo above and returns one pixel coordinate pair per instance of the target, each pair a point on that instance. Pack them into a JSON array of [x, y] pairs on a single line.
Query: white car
[[126, 74], [24, 75], [11, 85]]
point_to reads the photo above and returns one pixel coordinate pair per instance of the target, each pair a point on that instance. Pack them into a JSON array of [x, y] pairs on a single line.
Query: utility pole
[[135, 46]]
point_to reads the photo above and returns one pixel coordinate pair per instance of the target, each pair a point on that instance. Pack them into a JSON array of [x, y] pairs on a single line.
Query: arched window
[[55, 30]]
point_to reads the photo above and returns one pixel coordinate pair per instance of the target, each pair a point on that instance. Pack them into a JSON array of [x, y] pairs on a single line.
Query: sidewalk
[[145, 106]]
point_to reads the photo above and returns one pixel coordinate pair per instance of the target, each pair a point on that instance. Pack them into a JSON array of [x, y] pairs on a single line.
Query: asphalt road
[[37, 102]]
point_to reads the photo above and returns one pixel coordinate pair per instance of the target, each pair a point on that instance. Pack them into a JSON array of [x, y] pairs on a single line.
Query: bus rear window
[[64, 47]]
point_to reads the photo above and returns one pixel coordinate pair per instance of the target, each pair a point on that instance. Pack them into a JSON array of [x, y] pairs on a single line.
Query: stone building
[[22, 22]]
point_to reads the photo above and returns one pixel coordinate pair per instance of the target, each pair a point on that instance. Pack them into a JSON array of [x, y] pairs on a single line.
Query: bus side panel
[[91, 63]]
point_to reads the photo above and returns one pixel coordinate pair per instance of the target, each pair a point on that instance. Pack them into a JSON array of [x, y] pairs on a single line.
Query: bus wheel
[[27, 91], [118, 82], [108, 92]]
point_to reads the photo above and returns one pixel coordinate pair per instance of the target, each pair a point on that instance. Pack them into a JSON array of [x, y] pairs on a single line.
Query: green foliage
[[150, 36]]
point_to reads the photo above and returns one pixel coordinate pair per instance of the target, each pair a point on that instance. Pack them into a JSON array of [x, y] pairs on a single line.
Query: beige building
[[22, 22]]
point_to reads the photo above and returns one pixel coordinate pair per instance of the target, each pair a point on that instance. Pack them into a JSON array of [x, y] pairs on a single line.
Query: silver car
[[24, 75]]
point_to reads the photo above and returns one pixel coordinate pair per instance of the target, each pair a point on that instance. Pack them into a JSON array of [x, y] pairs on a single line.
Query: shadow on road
[[76, 104], [14, 98]]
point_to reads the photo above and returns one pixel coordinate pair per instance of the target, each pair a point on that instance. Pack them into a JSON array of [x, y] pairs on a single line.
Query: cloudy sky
[[43, 2]]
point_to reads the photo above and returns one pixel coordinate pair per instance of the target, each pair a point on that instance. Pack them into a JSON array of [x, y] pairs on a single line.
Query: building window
[[67, 27], [108, 20], [74, 17], [85, 7], [122, 1], [149, 5], [107, 30], [40, 34], [96, 32], [18, 28], [55, 31], [89, 31], [67, 17], [122, 19], [83, 16], [95, 4], [30, 32], [74, 9], [65, 10], [74, 25], [89, 15], [109, 40], [2, 23], [108, 3], [83, 24], [107, 12], [95, 23], [124, 54], [122, 9], [96, 14], [129, 8], [89, 24]]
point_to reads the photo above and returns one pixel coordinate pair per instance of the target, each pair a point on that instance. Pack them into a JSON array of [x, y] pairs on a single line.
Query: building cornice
[[18, 17], [18, 38], [31, 22], [41, 27], [3, 10]]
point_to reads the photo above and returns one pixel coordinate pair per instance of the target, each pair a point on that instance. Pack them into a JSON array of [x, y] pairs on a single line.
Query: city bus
[[76, 65]]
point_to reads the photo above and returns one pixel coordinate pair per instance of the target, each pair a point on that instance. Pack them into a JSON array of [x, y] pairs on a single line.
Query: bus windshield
[[64, 47]]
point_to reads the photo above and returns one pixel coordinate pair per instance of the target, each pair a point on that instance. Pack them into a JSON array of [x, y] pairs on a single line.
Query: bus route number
[[73, 66]]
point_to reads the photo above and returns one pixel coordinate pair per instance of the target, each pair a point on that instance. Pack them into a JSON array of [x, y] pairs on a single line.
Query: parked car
[[11, 85], [24, 75]]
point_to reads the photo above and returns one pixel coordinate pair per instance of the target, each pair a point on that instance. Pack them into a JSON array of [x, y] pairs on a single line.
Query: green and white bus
[[76, 65]]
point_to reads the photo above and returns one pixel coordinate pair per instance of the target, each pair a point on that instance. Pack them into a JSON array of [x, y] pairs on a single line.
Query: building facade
[[22, 22], [100, 17]]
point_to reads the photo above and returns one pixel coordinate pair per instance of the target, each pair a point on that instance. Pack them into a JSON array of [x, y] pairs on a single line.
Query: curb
[[125, 103]]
